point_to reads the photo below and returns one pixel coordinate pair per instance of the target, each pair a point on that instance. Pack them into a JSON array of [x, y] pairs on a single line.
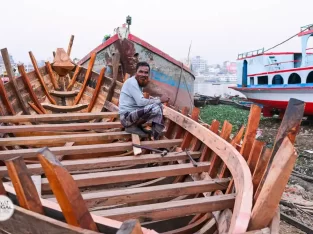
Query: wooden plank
[[252, 126], [130, 227], [255, 154], [29, 88], [187, 138], [101, 178], [26, 222], [234, 162], [114, 197], [74, 78], [115, 64], [8, 68], [70, 44], [60, 127], [216, 160], [110, 106], [66, 192], [40, 78], [107, 162], [86, 79], [136, 140], [89, 149], [47, 140], [52, 77], [56, 117], [206, 150], [289, 127], [57, 108], [236, 140], [274, 185], [173, 209], [64, 94], [5, 99], [97, 90], [275, 223], [179, 131], [24, 186]]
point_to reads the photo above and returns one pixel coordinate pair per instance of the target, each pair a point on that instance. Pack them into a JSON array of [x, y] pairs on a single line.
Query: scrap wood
[[296, 223]]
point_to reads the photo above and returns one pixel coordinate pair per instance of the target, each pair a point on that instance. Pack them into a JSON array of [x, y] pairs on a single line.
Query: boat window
[[262, 80], [294, 78], [251, 80], [309, 79], [277, 79]]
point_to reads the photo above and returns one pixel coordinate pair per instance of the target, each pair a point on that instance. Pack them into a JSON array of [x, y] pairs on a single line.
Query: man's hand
[[164, 98]]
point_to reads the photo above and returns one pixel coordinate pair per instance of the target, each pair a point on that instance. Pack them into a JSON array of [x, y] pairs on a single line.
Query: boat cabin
[[277, 69]]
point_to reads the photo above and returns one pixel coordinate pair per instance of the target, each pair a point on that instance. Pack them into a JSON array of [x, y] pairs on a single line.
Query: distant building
[[198, 64], [230, 67]]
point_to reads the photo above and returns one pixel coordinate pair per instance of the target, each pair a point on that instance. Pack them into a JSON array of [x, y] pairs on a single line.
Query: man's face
[[142, 76]]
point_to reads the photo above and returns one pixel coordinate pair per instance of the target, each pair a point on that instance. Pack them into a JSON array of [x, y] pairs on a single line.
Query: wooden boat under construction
[[57, 127]]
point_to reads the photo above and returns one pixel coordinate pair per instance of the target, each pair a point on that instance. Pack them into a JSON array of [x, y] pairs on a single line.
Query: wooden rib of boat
[[93, 180]]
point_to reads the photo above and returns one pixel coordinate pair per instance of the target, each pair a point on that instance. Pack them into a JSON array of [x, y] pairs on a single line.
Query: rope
[[287, 39]]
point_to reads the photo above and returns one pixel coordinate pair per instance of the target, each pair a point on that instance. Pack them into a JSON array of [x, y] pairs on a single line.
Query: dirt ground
[[296, 186]]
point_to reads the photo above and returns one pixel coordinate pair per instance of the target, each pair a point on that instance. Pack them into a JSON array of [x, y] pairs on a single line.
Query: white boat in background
[[271, 79]]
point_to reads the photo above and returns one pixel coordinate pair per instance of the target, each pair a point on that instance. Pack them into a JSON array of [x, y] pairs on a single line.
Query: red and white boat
[[271, 79]]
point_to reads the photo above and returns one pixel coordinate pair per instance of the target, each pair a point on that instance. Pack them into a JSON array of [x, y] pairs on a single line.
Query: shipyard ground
[[267, 132]]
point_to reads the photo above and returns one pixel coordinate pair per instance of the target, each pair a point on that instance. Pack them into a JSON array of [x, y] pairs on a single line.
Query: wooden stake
[[69, 48], [74, 78], [41, 80], [8, 68], [52, 77], [255, 154], [87, 77], [97, 90], [206, 150], [29, 88], [274, 185], [66, 192], [24, 186], [5, 99]]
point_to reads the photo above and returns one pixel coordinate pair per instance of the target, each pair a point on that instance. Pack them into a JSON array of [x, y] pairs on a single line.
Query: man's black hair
[[142, 64]]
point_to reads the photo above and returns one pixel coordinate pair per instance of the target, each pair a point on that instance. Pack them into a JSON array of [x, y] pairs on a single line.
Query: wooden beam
[[101, 178], [8, 68], [2, 189], [107, 162], [173, 209], [58, 108], [136, 140], [216, 160], [234, 162], [274, 186], [89, 149], [64, 94], [30, 88], [59, 127], [252, 126], [86, 79], [24, 186], [255, 154], [25, 222], [69, 48], [56, 117], [41, 80], [35, 108], [187, 138], [115, 64], [114, 197], [206, 150], [5, 99], [47, 140], [179, 131], [97, 90], [130, 227], [74, 78], [289, 127], [66, 192], [52, 77]]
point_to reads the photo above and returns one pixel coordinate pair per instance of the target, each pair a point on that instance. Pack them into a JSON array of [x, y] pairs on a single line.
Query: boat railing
[[276, 67], [250, 53]]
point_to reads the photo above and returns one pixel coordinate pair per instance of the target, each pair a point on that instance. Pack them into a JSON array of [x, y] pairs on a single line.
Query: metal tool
[[162, 152], [194, 163]]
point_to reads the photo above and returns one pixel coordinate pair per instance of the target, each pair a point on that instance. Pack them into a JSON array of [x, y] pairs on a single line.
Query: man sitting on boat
[[135, 109]]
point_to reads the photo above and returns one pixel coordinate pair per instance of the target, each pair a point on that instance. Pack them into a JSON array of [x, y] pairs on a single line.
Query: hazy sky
[[219, 30]]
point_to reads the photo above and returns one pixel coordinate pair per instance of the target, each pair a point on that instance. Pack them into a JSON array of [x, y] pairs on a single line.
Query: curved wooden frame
[[233, 160]]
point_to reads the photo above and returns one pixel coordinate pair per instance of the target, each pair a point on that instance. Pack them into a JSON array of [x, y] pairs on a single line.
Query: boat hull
[[277, 98], [168, 76]]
